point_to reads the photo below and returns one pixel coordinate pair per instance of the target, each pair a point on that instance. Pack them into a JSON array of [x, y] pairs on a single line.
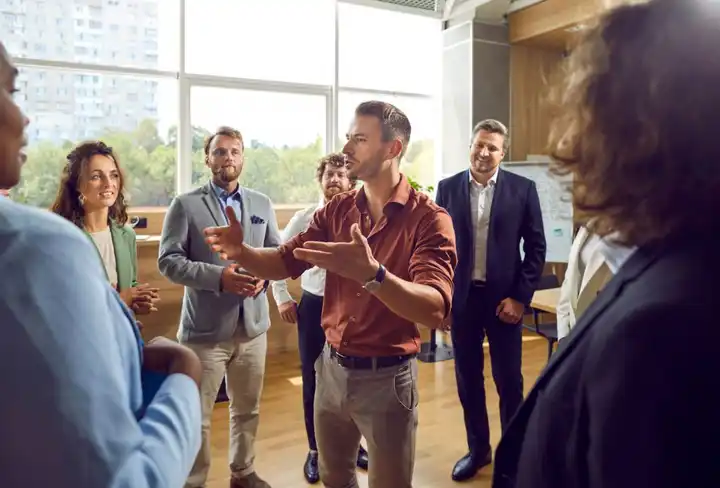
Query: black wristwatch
[[375, 283]]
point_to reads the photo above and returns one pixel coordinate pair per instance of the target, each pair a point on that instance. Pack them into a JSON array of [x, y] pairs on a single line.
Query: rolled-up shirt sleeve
[[316, 231], [435, 257]]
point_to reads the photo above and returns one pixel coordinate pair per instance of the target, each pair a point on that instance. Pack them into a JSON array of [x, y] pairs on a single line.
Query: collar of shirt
[[398, 198], [491, 182], [615, 254], [223, 195]]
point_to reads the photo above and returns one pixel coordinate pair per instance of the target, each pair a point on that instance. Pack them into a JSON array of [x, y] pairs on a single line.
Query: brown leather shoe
[[250, 481]]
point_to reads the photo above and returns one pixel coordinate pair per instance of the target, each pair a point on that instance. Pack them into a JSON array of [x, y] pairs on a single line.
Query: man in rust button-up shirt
[[390, 256], [414, 240]]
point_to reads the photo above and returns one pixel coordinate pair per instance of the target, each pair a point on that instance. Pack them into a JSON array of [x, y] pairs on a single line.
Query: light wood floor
[[281, 445]]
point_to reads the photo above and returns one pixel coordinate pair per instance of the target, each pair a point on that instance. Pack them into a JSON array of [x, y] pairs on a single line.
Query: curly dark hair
[[67, 201], [636, 121], [336, 160]]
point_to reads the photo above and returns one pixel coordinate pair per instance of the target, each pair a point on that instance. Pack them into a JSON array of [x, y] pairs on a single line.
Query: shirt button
[[345, 343], [358, 294], [352, 319]]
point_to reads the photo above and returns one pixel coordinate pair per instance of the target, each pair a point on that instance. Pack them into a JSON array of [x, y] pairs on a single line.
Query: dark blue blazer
[[515, 214]]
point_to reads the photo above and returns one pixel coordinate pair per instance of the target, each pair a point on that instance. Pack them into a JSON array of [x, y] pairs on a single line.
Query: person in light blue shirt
[[71, 363]]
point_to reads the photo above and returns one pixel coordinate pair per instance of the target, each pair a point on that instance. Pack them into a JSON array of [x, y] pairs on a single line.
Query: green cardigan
[[125, 245]]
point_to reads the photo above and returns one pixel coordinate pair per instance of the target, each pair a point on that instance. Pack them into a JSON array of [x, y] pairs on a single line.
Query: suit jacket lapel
[[246, 215], [635, 265], [576, 277], [122, 257], [496, 206], [213, 206], [465, 202]]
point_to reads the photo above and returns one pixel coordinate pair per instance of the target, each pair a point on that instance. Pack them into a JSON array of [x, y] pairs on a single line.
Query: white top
[[592, 263], [480, 205], [104, 243], [616, 255], [312, 280]]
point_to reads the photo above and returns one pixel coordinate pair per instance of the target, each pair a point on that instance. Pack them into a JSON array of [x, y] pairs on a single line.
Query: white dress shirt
[[312, 280], [480, 206], [592, 263]]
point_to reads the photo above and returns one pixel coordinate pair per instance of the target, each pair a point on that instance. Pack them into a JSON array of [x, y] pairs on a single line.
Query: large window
[[388, 50], [283, 40], [419, 160], [136, 34], [147, 75], [284, 137], [136, 116]]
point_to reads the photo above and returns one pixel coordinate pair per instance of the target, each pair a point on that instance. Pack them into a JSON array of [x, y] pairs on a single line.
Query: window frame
[[187, 81]]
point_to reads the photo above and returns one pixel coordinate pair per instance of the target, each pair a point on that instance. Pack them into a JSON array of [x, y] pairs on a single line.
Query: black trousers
[[468, 332], [311, 340]]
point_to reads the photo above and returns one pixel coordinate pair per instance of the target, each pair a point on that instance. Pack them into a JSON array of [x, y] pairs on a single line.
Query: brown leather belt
[[355, 362]]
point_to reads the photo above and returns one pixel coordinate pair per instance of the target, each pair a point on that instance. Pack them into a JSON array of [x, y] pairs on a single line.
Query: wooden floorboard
[[281, 445]]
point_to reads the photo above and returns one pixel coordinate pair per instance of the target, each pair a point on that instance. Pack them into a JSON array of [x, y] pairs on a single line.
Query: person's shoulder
[[27, 233], [515, 178], [427, 210], [256, 196], [342, 201], [194, 193], [126, 230], [307, 212], [457, 177]]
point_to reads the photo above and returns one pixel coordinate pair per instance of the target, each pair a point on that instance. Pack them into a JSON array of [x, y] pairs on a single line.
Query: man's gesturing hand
[[228, 240], [353, 260]]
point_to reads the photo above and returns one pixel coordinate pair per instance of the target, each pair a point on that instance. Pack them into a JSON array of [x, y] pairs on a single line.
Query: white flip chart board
[[555, 202]]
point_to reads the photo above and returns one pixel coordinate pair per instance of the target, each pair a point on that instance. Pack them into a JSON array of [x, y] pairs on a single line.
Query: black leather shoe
[[362, 459], [310, 469], [469, 465]]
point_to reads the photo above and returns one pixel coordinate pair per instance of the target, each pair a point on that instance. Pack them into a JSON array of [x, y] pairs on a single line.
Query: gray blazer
[[208, 315]]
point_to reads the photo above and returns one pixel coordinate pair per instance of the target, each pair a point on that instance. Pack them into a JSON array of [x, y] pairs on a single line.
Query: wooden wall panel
[[551, 15], [530, 69]]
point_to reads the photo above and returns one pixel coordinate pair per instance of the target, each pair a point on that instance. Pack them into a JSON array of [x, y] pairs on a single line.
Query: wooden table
[[546, 300]]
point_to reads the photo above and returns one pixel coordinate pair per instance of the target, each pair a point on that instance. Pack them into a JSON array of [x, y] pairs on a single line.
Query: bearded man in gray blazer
[[225, 313]]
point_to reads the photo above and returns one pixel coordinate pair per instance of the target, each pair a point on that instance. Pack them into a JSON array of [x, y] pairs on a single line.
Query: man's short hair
[[227, 131], [393, 121], [494, 127], [335, 160]]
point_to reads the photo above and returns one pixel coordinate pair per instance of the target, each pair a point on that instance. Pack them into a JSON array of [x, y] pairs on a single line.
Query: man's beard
[[330, 192], [227, 174]]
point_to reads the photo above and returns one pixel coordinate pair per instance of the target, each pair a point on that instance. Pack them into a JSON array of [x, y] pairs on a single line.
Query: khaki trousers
[[380, 405], [241, 362]]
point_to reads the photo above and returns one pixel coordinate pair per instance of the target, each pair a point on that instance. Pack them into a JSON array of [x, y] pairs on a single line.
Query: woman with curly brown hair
[[630, 399], [91, 196]]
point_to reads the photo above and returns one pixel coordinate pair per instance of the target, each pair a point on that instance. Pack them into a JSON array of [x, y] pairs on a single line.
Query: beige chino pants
[[241, 362], [380, 405]]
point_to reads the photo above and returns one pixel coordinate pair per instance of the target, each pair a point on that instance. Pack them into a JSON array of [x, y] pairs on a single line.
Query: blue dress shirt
[[226, 199], [71, 398]]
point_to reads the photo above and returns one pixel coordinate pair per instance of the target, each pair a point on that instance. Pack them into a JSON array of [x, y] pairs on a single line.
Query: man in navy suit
[[492, 211]]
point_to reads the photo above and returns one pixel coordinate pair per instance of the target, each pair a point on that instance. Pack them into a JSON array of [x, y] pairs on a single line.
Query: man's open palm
[[228, 240], [353, 260]]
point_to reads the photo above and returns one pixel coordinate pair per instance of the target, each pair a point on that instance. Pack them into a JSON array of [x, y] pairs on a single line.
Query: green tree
[[285, 174]]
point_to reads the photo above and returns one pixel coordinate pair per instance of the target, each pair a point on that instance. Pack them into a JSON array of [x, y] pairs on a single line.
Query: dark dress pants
[[311, 340], [469, 329]]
